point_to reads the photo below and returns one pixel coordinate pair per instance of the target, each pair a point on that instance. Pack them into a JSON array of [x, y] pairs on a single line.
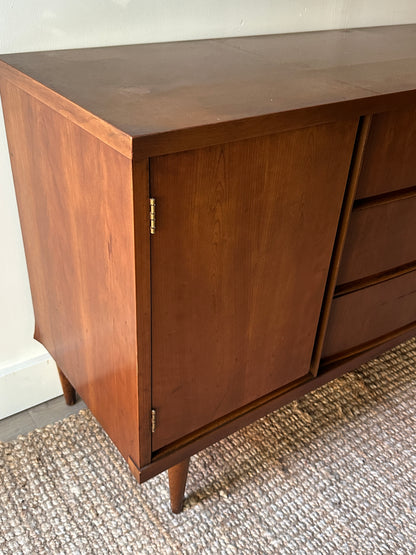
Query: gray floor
[[37, 417]]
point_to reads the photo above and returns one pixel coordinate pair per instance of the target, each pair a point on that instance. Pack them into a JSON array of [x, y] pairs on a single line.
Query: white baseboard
[[27, 384]]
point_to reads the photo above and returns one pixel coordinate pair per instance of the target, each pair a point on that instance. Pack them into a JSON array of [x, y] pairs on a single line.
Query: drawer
[[389, 162], [379, 238], [367, 315]]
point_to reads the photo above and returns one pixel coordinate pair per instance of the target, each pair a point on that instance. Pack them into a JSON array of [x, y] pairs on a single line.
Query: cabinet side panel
[[75, 203]]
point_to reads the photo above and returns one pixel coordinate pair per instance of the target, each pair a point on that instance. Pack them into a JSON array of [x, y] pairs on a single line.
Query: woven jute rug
[[334, 472]]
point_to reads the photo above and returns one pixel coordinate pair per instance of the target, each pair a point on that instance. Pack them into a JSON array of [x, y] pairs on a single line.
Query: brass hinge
[[152, 216], [153, 420]]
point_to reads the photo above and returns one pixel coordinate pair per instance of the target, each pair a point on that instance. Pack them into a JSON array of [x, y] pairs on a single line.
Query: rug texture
[[334, 472]]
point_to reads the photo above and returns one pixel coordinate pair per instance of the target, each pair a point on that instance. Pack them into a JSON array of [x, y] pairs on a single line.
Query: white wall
[[27, 374]]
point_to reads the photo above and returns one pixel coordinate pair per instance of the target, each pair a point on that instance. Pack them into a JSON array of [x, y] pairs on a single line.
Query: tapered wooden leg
[[69, 391], [177, 482]]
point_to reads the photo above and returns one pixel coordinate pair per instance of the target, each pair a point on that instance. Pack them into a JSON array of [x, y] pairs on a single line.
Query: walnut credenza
[[213, 228]]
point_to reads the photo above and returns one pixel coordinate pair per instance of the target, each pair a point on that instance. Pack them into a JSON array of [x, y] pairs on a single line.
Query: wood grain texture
[[349, 197], [158, 95], [385, 198], [69, 392], [380, 340], [379, 239], [370, 313], [193, 443], [352, 286], [75, 202], [259, 126], [336, 366], [91, 123], [143, 305], [390, 158], [239, 264], [235, 277], [177, 482]]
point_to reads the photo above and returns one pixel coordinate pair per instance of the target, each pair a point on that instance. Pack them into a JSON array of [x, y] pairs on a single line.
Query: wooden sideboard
[[213, 228]]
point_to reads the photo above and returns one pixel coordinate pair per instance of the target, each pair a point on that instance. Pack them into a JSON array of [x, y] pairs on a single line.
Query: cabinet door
[[240, 258]]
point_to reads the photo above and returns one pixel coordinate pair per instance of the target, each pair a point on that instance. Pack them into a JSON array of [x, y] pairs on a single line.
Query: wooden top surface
[[153, 89]]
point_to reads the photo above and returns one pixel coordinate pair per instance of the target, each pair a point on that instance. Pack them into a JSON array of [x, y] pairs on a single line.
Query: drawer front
[[369, 314], [390, 156], [379, 238]]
